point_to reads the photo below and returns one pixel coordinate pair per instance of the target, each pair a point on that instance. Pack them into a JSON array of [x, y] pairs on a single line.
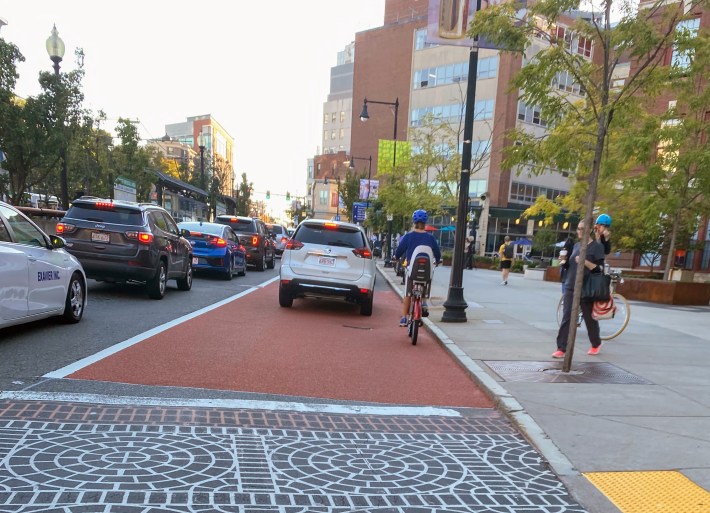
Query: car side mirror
[[184, 233], [57, 242]]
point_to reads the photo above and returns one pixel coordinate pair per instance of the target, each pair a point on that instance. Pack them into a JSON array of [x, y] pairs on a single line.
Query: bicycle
[[612, 327], [420, 280]]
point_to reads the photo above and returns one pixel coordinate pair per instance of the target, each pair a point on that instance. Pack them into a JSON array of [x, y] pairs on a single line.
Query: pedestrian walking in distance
[[506, 259]]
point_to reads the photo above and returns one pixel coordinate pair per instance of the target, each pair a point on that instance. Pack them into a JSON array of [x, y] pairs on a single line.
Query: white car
[[38, 278], [328, 259]]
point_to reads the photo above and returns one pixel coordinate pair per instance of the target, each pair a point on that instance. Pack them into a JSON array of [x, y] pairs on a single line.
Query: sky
[[261, 68]]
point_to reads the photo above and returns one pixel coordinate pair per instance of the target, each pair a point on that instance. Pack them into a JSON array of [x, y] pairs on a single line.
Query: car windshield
[[343, 236], [278, 230], [114, 214], [209, 229]]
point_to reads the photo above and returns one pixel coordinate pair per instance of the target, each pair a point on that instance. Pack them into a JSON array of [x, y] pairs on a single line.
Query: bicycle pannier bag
[[508, 251], [596, 287], [604, 309]]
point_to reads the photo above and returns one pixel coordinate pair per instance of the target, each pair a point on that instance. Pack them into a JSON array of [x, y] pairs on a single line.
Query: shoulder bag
[[596, 287]]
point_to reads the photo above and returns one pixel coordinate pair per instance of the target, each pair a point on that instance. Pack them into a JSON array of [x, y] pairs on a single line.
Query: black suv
[[121, 241], [253, 235]]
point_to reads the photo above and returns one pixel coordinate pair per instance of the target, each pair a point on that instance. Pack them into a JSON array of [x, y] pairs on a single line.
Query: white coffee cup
[[563, 255]]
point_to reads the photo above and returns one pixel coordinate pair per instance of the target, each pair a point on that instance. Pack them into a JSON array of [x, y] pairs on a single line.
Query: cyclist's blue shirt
[[413, 239]]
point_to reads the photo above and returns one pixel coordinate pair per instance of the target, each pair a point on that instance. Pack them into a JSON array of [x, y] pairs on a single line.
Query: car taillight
[[218, 241], [63, 228], [255, 240], [363, 253], [284, 239], [330, 225], [104, 205], [293, 244], [142, 237]]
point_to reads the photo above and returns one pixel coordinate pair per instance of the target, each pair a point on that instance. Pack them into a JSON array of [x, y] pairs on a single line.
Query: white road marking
[[238, 404], [85, 362]]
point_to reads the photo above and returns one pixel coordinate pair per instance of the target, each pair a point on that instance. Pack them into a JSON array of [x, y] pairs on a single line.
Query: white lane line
[[85, 362], [236, 404]]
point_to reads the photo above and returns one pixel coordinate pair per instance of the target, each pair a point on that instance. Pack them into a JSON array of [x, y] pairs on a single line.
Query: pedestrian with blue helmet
[[601, 229], [411, 240]]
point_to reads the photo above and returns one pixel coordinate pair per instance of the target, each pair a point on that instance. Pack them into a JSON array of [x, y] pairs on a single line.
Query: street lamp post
[[364, 116], [455, 304], [201, 145], [55, 49]]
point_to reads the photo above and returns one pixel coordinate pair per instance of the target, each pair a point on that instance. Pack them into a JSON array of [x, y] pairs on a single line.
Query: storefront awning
[[175, 185]]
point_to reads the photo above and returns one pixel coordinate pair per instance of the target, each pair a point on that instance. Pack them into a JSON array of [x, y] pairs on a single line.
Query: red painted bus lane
[[314, 349]]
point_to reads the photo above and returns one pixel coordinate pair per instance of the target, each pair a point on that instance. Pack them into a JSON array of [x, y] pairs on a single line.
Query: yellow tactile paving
[[651, 492]]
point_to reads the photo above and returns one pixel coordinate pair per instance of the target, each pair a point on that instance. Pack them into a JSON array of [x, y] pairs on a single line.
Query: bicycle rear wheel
[[611, 328], [416, 318]]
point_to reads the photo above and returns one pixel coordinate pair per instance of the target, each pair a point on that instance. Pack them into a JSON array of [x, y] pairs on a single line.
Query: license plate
[[100, 237], [195, 260], [329, 261]]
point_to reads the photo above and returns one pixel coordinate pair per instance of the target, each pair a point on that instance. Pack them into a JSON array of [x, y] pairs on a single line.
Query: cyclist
[[601, 227], [409, 242]]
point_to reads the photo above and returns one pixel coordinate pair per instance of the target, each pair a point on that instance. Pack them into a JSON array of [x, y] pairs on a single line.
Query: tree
[[245, 189], [349, 191], [579, 124]]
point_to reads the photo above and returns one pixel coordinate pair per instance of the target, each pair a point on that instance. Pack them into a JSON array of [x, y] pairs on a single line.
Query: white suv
[[328, 259]]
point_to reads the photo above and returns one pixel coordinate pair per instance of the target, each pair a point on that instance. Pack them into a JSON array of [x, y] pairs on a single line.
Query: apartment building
[[337, 109]]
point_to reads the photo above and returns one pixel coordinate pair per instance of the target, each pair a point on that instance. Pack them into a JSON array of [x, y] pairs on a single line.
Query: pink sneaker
[[594, 350], [558, 354]]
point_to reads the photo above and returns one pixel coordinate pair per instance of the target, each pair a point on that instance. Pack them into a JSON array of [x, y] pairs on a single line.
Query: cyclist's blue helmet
[[604, 219], [419, 216]]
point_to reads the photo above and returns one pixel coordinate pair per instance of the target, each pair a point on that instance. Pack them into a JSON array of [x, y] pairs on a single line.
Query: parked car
[[328, 259], [38, 278], [280, 236], [122, 241], [215, 247], [254, 235]]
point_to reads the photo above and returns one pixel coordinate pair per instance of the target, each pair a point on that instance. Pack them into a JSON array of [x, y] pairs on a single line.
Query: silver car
[[38, 278], [326, 259]]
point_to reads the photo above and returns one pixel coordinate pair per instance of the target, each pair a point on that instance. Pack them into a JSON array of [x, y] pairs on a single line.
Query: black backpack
[[508, 251]]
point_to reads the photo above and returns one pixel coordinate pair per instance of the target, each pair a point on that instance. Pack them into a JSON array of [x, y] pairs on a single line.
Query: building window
[[323, 197], [487, 68], [530, 114], [325, 135], [688, 29], [342, 116], [565, 81], [528, 193], [483, 110], [332, 117], [420, 40], [326, 117], [564, 37], [342, 133], [584, 47]]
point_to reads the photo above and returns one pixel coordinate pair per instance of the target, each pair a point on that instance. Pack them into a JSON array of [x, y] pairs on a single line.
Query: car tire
[[271, 263], [156, 287], [230, 272], [261, 265], [185, 283], [76, 300], [366, 305], [285, 298], [243, 272]]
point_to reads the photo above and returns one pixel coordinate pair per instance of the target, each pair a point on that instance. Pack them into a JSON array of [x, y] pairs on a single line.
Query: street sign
[[337, 217], [359, 210]]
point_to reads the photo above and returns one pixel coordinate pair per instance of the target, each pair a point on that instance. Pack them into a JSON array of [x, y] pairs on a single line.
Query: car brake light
[[364, 291], [142, 237], [63, 228], [293, 244], [104, 204], [284, 239], [330, 225], [255, 240], [218, 241], [363, 253]]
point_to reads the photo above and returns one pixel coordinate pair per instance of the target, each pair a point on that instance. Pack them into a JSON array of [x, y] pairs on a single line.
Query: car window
[[158, 221], [170, 225], [25, 232], [278, 230], [240, 225], [4, 234], [341, 236], [231, 236], [113, 214], [210, 229]]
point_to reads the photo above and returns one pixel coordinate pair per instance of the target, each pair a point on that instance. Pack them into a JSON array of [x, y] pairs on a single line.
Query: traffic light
[[288, 196], [268, 194]]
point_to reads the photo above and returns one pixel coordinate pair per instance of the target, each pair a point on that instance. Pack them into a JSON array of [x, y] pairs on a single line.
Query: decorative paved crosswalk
[[150, 468]]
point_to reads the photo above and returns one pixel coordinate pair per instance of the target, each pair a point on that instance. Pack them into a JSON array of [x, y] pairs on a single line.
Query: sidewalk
[[647, 410]]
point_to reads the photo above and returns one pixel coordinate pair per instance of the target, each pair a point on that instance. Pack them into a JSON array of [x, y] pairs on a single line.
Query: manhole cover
[[551, 372]]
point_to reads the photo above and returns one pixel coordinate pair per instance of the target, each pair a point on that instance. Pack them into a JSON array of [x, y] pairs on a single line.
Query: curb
[[502, 399]]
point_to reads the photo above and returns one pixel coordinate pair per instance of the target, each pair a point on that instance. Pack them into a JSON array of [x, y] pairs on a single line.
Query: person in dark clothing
[[594, 263], [565, 253]]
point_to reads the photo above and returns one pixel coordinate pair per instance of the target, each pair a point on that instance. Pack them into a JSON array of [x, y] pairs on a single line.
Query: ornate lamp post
[[201, 145], [55, 49], [364, 116]]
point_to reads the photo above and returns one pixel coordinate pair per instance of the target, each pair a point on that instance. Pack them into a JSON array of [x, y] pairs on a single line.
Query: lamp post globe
[[55, 48]]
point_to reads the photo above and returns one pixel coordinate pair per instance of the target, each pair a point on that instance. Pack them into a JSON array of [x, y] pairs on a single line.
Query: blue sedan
[[215, 247]]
